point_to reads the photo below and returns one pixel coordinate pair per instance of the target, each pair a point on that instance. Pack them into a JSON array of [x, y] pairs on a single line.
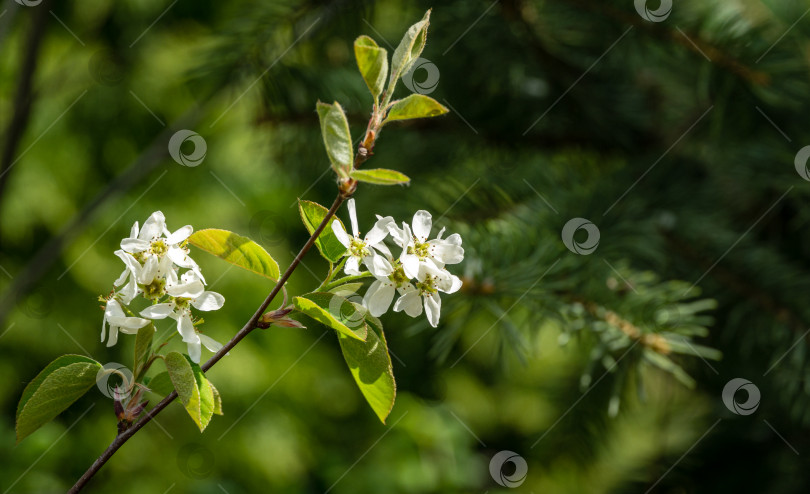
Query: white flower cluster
[[153, 257], [418, 274]]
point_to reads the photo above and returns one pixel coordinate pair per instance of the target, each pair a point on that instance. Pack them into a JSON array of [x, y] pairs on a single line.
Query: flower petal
[[341, 234], [400, 235], [422, 223], [379, 231], [150, 268], [192, 289], [134, 245], [186, 328], [194, 350], [410, 264], [153, 227], [410, 302], [133, 232], [208, 301], [129, 291], [158, 311], [113, 336], [210, 343], [447, 253], [455, 284], [378, 265], [378, 298], [131, 325], [121, 279], [352, 266], [179, 235], [353, 218], [433, 307]]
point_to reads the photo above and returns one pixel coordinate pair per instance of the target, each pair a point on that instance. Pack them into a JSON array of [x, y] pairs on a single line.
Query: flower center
[[422, 250], [398, 276], [427, 287], [357, 248], [181, 303], [158, 248], [154, 290]]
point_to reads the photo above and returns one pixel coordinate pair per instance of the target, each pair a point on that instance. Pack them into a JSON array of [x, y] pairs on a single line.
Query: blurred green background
[[675, 136]]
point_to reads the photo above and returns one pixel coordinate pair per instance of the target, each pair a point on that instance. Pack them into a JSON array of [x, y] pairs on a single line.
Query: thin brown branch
[[24, 96], [249, 326]]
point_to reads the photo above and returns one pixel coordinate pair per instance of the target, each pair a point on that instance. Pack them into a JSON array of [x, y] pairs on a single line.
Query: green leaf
[[237, 250], [329, 246], [334, 311], [192, 387], [380, 176], [415, 106], [371, 368], [346, 288], [373, 64], [217, 399], [161, 384], [143, 345], [336, 136], [408, 50], [54, 389]]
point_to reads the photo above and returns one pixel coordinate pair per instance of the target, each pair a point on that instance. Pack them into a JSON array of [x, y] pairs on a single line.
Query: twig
[[246, 329], [24, 95]]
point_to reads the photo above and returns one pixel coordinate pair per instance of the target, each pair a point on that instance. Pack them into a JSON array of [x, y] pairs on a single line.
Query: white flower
[[364, 250], [119, 321], [390, 277], [185, 293], [430, 281], [154, 239], [418, 250]]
